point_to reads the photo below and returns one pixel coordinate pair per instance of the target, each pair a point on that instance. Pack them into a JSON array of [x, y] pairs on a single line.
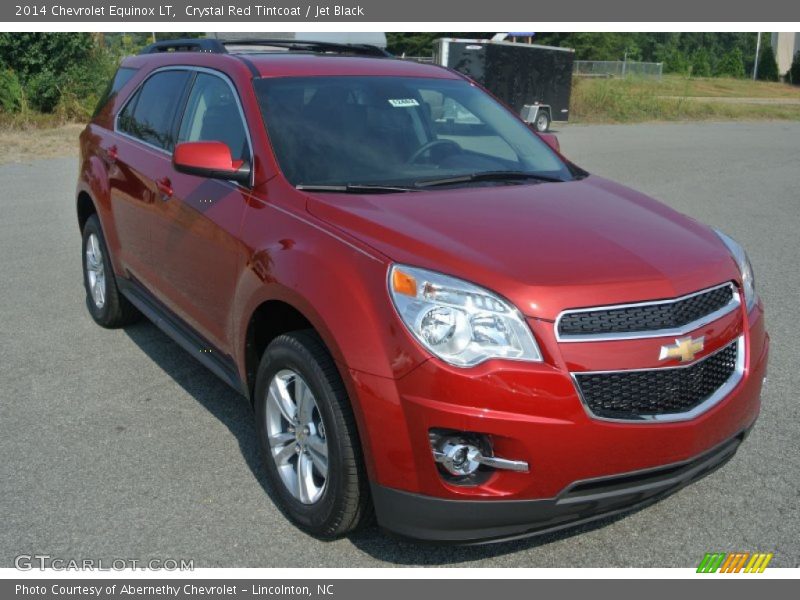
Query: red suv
[[434, 314]]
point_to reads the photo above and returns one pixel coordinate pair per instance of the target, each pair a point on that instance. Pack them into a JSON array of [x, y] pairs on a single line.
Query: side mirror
[[210, 159], [551, 140]]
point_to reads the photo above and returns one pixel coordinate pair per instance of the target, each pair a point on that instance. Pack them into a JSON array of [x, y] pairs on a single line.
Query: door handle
[[164, 186]]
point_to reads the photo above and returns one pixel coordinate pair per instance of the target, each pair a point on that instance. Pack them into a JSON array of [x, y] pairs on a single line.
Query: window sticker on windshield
[[403, 102]]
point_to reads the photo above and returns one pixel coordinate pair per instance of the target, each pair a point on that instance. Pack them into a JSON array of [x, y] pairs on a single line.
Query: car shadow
[[235, 413], [229, 407]]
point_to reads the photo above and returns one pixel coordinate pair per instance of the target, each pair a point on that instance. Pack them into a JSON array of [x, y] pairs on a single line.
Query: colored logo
[[684, 349], [736, 562]]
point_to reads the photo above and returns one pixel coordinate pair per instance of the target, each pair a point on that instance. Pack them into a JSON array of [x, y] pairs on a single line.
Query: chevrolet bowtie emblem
[[684, 349]]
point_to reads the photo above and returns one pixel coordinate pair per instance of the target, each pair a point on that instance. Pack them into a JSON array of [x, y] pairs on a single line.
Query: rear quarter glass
[[121, 77]]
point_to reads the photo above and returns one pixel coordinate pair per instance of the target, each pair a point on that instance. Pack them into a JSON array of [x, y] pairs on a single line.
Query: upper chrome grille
[[676, 316]]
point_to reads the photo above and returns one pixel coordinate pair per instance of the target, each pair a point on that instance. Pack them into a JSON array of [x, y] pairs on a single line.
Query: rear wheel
[[308, 437], [542, 121], [107, 306]]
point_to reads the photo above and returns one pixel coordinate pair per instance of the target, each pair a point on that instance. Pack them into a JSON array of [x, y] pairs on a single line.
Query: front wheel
[[308, 437]]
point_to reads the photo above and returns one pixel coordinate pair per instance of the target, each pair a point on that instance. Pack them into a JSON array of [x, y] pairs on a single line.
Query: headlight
[[459, 322], [745, 268]]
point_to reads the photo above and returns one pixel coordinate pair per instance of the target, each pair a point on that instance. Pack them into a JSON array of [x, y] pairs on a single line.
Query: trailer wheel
[[542, 122]]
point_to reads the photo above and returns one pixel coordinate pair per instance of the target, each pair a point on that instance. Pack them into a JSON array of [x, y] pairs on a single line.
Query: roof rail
[[216, 46], [186, 45], [312, 46]]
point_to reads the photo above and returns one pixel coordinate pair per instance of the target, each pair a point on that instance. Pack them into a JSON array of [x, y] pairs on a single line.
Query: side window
[[212, 115], [150, 114]]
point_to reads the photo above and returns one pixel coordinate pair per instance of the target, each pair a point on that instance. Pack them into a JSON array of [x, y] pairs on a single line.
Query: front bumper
[[476, 521], [533, 413]]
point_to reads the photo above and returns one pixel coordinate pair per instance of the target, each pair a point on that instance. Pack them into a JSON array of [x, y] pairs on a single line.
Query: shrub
[[701, 64], [82, 83], [767, 65], [732, 64], [43, 91], [10, 91], [675, 62], [794, 70]]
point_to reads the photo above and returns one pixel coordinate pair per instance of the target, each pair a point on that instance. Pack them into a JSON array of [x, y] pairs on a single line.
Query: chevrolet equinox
[[438, 319]]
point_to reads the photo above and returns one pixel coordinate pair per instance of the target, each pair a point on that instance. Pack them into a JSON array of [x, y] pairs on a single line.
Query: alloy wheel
[[296, 436], [95, 271]]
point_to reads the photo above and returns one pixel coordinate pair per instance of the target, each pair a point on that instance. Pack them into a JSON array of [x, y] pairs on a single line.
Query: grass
[[37, 137], [717, 87], [675, 98]]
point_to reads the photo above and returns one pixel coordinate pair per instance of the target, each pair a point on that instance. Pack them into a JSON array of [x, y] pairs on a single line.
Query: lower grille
[[650, 394]]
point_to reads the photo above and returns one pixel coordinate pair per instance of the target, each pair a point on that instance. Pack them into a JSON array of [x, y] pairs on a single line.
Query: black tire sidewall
[[319, 517], [100, 315]]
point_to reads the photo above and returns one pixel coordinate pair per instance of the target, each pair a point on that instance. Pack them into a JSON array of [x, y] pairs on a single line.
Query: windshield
[[397, 131]]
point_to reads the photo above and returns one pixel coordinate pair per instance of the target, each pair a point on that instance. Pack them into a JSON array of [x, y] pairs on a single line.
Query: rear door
[[145, 135], [195, 245]]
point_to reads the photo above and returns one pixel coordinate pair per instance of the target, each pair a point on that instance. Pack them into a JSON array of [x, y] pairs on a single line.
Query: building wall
[[785, 44]]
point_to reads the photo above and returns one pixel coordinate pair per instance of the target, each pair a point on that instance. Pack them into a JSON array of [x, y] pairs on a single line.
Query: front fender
[[336, 283], [340, 287]]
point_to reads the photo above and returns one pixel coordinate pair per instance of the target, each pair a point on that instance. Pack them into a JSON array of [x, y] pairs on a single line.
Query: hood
[[546, 247]]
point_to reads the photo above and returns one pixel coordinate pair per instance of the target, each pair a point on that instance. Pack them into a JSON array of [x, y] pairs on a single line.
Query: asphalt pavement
[[118, 445]]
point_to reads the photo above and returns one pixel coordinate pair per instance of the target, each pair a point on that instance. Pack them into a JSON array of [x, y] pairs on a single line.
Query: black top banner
[[476, 11]]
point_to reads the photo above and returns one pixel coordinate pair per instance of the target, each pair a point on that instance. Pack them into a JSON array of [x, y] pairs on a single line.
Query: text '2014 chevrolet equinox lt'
[[437, 318]]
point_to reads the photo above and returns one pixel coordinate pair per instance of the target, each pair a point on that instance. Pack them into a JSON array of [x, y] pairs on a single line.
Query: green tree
[[732, 64], [677, 62], [10, 91], [701, 63], [28, 54], [794, 71], [767, 65]]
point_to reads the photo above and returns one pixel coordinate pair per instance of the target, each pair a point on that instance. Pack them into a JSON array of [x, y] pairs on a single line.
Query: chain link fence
[[617, 68]]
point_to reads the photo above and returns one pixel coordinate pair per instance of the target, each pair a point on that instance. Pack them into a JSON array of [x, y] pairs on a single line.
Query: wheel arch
[[280, 314], [269, 320], [85, 208]]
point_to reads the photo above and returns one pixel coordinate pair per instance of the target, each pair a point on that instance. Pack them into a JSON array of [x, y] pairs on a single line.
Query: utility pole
[[758, 52]]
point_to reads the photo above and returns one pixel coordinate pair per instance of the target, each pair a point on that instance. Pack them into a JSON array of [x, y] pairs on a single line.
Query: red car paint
[[209, 155], [217, 251]]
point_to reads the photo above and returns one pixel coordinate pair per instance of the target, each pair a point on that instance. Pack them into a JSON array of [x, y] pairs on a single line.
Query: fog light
[[462, 454], [459, 459]]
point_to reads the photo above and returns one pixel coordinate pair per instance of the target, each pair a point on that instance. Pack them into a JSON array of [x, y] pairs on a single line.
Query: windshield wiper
[[486, 176], [354, 188]]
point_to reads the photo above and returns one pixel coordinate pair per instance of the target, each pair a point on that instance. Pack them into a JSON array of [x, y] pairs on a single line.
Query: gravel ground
[[117, 444]]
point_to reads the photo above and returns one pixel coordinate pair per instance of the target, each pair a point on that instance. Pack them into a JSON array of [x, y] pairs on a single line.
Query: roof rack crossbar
[[186, 45]]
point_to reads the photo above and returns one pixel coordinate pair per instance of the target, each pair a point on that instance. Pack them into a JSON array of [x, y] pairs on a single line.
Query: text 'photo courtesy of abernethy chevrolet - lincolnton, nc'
[[439, 320]]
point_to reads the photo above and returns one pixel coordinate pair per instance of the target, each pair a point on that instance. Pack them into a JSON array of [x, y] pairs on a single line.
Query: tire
[[296, 362], [542, 121], [108, 308]]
